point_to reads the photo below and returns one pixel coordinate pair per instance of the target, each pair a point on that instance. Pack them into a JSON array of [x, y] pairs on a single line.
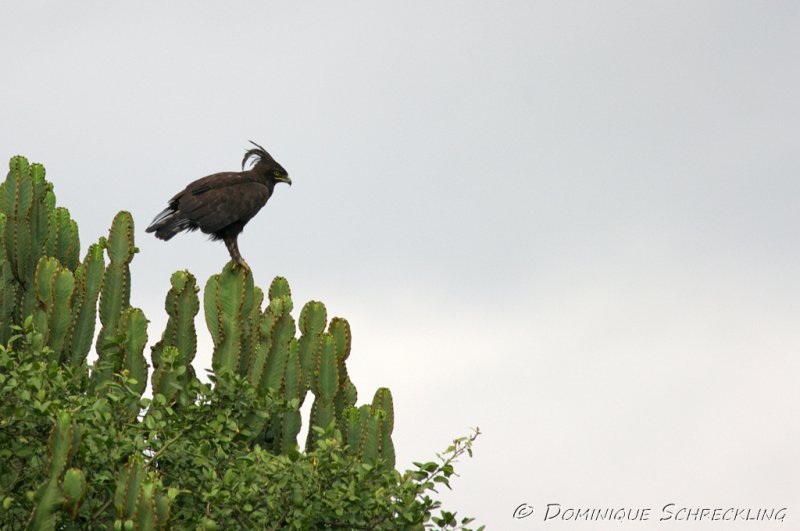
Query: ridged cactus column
[[138, 501], [324, 385], [114, 344], [9, 286], [182, 305], [329, 381], [347, 395], [54, 286], [251, 332], [368, 429], [293, 392], [88, 280], [133, 331], [277, 330], [228, 299], [49, 497], [62, 237], [23, 184], [313, 319], [116, 294], [32, 228], [382, 401]]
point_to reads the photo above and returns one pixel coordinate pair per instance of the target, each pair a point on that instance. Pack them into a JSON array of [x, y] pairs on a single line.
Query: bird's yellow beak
[[285, 179]]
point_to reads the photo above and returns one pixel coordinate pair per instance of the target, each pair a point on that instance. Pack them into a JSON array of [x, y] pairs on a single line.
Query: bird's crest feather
[[257, 153]]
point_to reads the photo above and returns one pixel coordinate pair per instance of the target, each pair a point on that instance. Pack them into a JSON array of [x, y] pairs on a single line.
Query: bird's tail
[[169, 223]]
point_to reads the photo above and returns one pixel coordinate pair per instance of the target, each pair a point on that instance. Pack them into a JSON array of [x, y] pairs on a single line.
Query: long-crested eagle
[[221, 204]]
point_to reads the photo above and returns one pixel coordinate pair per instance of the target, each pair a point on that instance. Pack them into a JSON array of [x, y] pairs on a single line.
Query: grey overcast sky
[[573, 224]]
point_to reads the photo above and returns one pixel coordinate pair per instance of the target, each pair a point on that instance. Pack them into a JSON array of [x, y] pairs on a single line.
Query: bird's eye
[[276, 173]]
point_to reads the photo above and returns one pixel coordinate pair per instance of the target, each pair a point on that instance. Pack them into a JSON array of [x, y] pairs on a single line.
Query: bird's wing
[[210, 182], [218, 180], [214, 205]]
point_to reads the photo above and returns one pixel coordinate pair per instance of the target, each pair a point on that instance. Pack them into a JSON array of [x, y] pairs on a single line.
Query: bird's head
[[265, 164]]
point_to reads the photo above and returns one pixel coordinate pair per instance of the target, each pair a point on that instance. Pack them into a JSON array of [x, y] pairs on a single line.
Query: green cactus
[[133, 330], [334, 392], [33, 228], [40, 275], [290, 366], [324, 385], [382, 401], [8, 285], [54, 286], [116, 291], [267, 345], [18, 192], [124, 352], [169, 376], [18, 195], [340, 330], [347, 394], [356, 420], [281, 434], [251, 330], [64, 438], [41, 278], [137, 499], [63, 240], [277, 330], [368, 429], [182, 305], [42, 288], [313, 319], [114, 298], [129, 486], [74, 489], [345, 397], [291, 421], [227, 299], [88, 281], [42, 204]]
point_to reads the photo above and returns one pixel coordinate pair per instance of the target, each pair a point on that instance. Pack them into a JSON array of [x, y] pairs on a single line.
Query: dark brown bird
[[222, 204]]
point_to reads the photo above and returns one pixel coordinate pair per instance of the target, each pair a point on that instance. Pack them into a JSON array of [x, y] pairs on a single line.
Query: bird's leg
[[233, 249]]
